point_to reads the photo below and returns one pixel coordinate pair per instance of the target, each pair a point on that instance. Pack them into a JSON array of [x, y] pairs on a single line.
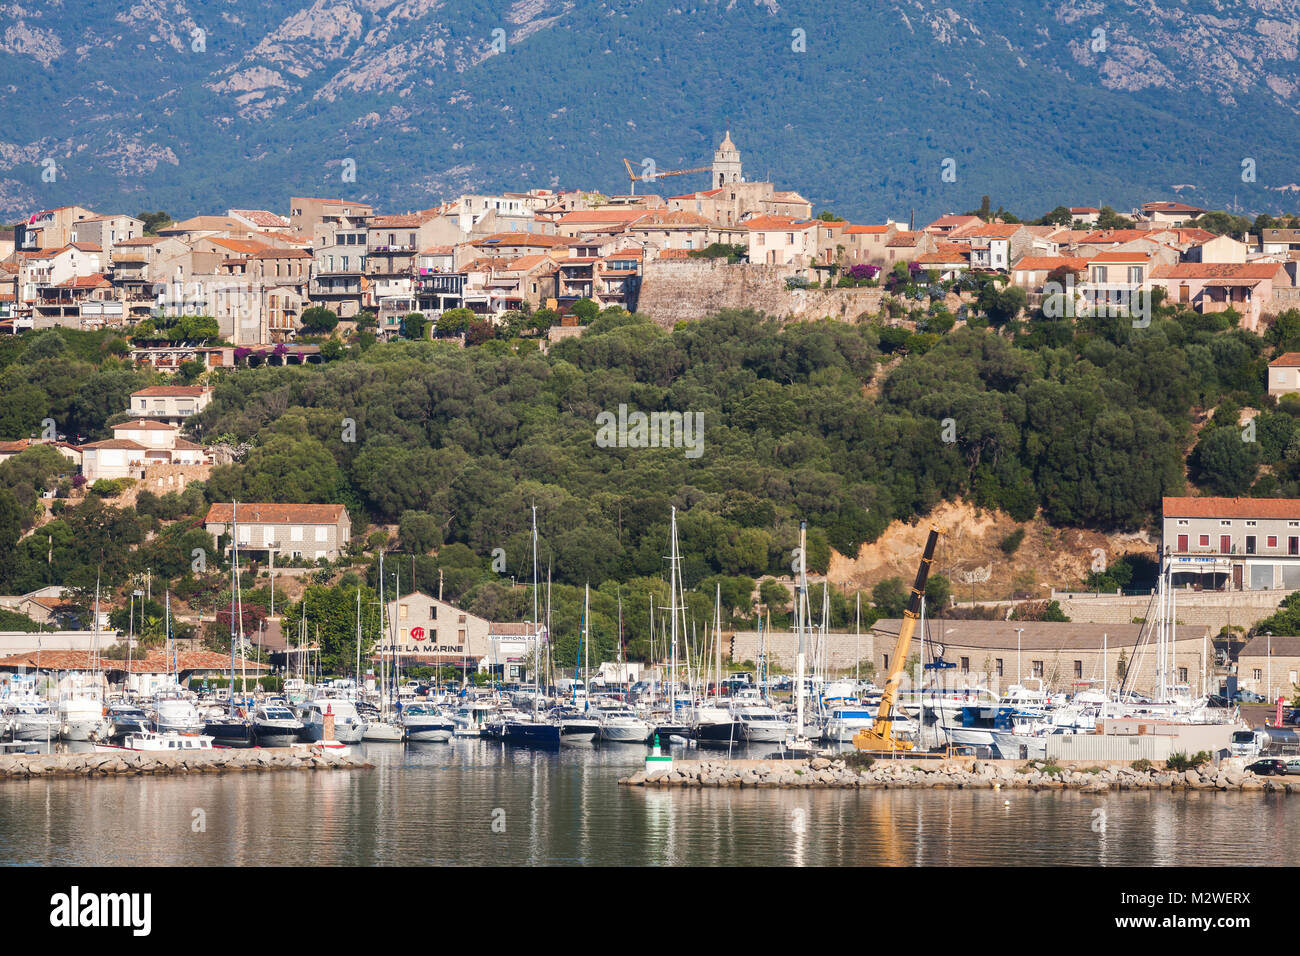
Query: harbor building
[[1233, 544], [1270, 665], [426, 632], [1065, 656]]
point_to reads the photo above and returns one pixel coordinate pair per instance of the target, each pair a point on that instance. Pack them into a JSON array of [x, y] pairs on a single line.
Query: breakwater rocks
[[129, 762], [826, 773]]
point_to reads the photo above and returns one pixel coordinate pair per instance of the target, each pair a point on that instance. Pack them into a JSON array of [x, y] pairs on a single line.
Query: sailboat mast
[[717, 634], [234, 587], [672, 610], [802, 590]]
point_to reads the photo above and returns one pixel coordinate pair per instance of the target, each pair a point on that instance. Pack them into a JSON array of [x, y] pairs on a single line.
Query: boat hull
[[543, 734], [625, 733], [433, 732], [723, 732]]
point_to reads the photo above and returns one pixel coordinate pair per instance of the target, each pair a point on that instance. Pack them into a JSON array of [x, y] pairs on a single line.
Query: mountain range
[[202, 105]]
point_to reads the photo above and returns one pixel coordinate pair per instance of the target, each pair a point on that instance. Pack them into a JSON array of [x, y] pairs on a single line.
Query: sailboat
[[81, 702], [383, 729], [715, 723], [230, 729], [669, 724]]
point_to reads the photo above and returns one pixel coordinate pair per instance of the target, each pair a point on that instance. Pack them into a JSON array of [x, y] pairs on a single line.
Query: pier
[[903, 773], [132, 763]]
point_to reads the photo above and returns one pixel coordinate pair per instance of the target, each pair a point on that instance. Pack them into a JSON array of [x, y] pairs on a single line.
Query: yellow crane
[[881, 735], [649, 178]]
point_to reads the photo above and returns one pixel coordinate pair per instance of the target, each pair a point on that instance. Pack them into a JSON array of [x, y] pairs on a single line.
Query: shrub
[[1011, 543], [1181, 762]]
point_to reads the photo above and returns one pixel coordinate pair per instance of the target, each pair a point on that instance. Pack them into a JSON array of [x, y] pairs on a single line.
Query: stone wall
[[1213, 609], [687, 290]]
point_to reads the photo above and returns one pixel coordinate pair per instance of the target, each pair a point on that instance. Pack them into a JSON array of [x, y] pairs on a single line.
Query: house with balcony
[[171, 404], [314, 217], [1233, 543], [1253, 289], [81, 302], [993, 246], [49, 228], [311, 532], [107, 231], [1158, 214], [1031, 272]]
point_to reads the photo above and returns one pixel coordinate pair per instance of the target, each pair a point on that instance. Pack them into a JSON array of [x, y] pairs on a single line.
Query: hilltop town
[[170, 307]]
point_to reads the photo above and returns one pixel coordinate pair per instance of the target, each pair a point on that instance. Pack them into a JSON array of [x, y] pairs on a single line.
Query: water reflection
[[437, 804]]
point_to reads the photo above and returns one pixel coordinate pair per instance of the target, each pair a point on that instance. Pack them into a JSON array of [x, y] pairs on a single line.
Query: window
[[1251, 524], [1225, 544], [1204, 541], [402, 612], [1182, 522], [322, 533], [965, 665], [1135, 275], [1272, 541], [1250, 544], [1182, 542], [1038, 669], [1293, 545], [1259, 674], [1078, 669], [296, 533], [998, 666]]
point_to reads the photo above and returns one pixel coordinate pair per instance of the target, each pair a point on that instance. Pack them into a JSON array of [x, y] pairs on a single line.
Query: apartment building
[[170, 403]]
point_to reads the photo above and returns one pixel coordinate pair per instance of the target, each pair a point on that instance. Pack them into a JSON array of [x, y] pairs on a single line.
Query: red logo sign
[[417, 633]]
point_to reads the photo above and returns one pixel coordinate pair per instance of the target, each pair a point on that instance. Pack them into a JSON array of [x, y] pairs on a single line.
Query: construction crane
[[881, 737], [651, 177]]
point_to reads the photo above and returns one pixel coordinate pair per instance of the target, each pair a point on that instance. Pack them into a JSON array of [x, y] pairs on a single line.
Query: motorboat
[[576, 727], [623, 726], [82, 715], [32, 720], [274, 725], [155, 742], [176, 715], [471, 719], [349, 728], [761, 723], [423, 723], [227, 729], [716, 725], [846, 720], [127, 719]]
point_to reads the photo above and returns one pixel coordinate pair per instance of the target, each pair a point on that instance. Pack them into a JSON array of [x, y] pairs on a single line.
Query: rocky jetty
[[129, 762], [823, 772]]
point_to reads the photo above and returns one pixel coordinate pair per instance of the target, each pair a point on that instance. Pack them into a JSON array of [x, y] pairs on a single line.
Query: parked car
[[1268, 767], [1249, 697]]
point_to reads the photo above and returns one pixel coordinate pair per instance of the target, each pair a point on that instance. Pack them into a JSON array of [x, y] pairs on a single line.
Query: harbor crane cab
[[880, 737]]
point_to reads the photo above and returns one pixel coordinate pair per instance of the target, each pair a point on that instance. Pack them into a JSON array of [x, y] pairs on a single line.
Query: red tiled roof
[[1122, 257], [1231, 507], [1219, 270], [154, 664], [145, 424], [1048, 263], [904, 239], [1116, 235], [116, 443], [268, 513], [866, 230], [1289, 360]]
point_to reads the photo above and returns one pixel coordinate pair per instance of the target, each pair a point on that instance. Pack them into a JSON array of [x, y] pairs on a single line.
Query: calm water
[[437, 804]]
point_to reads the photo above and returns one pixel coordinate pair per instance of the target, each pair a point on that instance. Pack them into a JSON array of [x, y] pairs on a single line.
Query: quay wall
[[130, 763], [687, 290]]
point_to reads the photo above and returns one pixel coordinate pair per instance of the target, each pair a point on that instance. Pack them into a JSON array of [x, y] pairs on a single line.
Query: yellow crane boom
[[881, 735]]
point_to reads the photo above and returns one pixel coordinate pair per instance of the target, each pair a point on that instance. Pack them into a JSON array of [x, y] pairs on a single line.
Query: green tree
[[319, 320]]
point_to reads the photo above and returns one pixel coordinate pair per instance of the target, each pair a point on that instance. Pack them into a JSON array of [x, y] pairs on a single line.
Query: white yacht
[[759, 722], [177, 715], [349, 728], [82, 715], [423, 723], [471, 719], [623, 726], [32, 719]]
